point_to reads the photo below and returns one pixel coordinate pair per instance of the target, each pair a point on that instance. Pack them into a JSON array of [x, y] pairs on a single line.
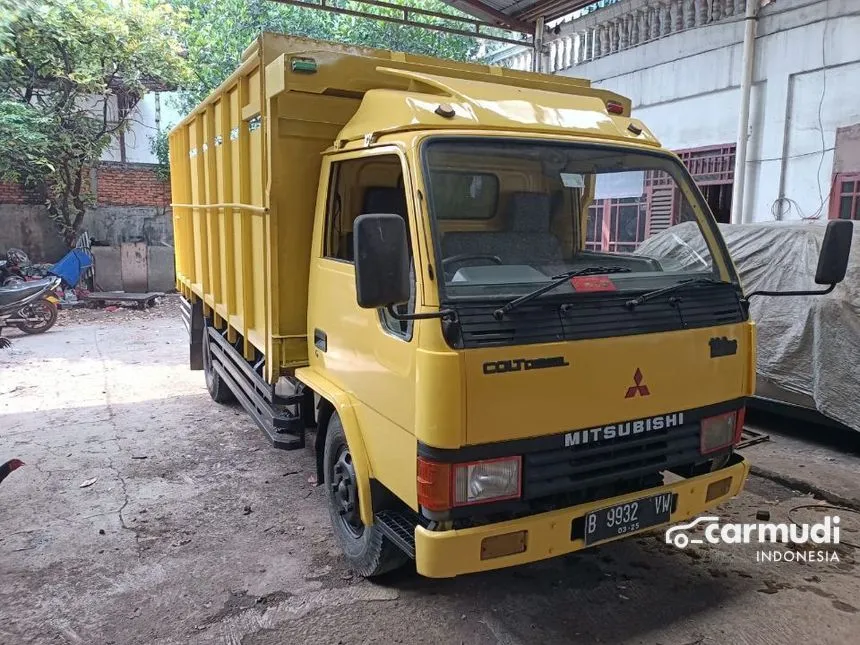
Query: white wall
[[142, 127], [685, 88]]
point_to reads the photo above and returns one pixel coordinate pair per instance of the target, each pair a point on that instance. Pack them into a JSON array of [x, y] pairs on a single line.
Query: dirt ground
[[194, 530]]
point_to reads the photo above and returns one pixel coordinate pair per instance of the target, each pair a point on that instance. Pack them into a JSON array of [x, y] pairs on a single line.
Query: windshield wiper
[[557, 280], [659, 292]]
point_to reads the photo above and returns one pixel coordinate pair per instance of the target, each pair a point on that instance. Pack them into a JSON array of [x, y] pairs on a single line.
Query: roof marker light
[[303, 65]]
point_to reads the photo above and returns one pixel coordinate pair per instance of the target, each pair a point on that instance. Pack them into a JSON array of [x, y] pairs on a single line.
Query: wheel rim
[[344, 493], [40, 311]]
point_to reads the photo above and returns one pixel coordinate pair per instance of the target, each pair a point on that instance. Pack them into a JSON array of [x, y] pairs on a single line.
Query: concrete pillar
[[701, 11], [624, 33], [676, 16], [666, 18], [685, 16], [656, 14]]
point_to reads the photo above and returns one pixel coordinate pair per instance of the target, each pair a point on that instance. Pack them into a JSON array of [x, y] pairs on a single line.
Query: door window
[[360, 186]]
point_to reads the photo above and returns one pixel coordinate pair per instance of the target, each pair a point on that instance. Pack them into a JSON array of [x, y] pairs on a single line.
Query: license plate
[[621, 519]]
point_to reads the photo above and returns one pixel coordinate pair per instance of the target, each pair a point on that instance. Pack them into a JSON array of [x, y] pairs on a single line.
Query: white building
[[154, 112], [681, 62]]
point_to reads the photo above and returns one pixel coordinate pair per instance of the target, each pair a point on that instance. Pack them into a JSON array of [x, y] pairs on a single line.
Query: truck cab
[[482, 408]]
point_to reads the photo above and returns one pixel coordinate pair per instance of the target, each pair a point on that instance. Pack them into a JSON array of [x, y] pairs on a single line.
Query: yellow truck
[[432, 269]]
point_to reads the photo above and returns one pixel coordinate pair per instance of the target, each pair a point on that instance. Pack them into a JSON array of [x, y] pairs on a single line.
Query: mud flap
[[192, 318]]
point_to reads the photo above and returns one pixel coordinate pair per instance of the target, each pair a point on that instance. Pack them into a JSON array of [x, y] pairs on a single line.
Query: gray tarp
[[807, 345]]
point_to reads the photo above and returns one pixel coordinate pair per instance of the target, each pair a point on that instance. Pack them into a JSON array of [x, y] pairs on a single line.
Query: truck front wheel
[[367, 550], [218, 389]]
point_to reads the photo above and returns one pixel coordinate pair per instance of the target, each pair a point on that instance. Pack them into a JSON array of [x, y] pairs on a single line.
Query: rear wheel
[[367, 550], [41, 316], [218, 389]]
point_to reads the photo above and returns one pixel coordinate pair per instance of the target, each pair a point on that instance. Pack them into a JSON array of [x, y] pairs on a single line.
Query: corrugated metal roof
[[518, 12]]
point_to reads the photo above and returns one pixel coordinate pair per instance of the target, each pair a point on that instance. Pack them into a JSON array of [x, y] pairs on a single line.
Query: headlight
[[721, 431], [486, 481], [442, 486]]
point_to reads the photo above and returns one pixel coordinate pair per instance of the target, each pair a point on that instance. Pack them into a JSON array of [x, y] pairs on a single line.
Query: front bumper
[[445, 554]]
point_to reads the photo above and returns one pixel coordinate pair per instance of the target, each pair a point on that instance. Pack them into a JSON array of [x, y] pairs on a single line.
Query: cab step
[[399, 527]]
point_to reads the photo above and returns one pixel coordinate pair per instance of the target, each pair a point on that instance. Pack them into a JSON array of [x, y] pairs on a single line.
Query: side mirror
[[833, 260], [381, 260]]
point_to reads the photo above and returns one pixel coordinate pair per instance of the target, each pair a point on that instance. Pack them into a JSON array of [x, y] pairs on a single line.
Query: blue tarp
[[72, 266]]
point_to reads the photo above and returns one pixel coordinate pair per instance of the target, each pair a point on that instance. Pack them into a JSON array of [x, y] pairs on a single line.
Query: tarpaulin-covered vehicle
[[808, 347]]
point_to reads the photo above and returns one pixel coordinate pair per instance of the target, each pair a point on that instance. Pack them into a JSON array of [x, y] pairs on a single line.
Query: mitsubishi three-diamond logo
[[639, 388]]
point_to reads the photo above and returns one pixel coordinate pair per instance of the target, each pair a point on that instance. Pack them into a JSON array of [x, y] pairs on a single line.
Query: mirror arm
[[444, 314], [792, 293]]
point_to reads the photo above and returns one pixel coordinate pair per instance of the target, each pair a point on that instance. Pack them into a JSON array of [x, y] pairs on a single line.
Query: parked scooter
[[30, 306]]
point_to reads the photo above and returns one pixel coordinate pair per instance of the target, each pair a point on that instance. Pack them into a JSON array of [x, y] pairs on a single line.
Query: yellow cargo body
[[245, 170]]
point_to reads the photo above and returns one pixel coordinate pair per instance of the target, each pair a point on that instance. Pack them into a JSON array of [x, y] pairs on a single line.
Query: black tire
[[47, 312], [367, 550], [218, 389]]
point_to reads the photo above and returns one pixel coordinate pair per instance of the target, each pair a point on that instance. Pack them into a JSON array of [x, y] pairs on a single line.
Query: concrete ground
[[195, 531]]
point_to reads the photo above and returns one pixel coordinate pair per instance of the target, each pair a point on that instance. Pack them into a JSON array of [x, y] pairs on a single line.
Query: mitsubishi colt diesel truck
[[432, 271]]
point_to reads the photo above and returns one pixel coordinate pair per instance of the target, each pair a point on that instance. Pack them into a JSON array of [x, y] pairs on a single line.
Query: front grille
[[608, 462], [603, 315]]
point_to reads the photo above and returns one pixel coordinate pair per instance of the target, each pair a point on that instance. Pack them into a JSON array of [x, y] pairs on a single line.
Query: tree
[[71, 74], [216, 32]]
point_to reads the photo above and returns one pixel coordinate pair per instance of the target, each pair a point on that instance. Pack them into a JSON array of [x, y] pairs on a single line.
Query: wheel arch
[[333, 401]]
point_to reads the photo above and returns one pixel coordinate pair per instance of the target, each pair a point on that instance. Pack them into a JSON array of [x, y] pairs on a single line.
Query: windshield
[[508, 216]]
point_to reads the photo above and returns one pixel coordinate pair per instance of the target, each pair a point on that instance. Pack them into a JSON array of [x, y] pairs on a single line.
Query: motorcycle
[[30, 306], [10, 268]]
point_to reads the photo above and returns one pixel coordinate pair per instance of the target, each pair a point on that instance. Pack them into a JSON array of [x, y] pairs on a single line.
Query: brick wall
[[130, 185], [114, 184], [17, 194]]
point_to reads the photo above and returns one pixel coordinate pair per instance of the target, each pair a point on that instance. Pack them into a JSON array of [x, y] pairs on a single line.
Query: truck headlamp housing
[[487, 480], [721, 431], [443, 486]]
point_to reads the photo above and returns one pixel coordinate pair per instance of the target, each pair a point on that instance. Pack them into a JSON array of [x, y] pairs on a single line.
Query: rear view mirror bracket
[[832, 261], [444, 314], [822, 292]]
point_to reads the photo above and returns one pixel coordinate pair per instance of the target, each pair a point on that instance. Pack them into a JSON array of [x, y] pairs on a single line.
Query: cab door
[[365, 352]]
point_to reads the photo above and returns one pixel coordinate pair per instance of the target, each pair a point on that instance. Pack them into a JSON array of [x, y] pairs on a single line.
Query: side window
[[365, 185], [845, 198]]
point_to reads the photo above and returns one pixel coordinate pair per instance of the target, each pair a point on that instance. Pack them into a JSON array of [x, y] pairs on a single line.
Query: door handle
[[320, 340]]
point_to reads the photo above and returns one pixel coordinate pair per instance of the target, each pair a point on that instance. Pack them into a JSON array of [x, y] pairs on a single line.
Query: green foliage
[[71, 73], [159, 146], [216, 33], [29, 135]]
